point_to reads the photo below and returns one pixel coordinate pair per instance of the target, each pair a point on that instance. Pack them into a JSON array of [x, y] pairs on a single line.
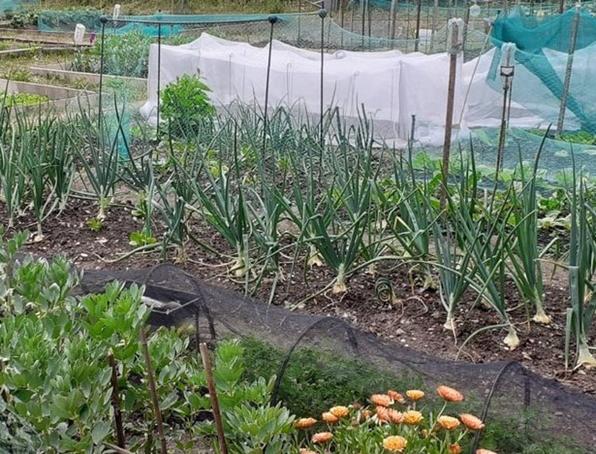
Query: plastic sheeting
[[390, 86]]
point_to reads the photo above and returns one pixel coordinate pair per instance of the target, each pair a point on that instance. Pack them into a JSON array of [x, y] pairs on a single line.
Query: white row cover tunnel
[[391, 86]]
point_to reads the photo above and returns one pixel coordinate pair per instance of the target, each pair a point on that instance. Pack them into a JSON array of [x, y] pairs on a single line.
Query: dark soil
[[415, 317]]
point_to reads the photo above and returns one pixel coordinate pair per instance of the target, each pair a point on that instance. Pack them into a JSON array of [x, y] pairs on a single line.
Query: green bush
[[185, 105]]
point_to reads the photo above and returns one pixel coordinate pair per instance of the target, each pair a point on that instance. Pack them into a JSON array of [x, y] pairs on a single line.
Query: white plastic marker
[[116, 11], [79, 34]]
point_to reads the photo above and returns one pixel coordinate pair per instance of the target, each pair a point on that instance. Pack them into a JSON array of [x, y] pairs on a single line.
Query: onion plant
[[12, 179], [455, 266], [100, 157], [222, 204], [485, 238], [524, 253], [582, 269]]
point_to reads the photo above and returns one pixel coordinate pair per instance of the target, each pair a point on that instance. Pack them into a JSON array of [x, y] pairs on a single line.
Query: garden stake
[[116, 402], [454, 27], [103, 21], [158, 71], [153, 392], [213, 397], [418, 11], [507, 73], [272, 21], [412, 132], [568, 69], [322, 14], [392, 17]]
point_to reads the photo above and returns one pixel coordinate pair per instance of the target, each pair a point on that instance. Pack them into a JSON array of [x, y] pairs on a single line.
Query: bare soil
[[414, 318]]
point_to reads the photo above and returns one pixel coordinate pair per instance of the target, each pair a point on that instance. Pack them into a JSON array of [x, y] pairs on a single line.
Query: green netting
[[555, 162], [547, 58], [12, 6]]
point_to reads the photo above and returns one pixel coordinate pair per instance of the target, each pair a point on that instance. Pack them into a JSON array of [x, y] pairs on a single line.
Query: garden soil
[[404, 336]]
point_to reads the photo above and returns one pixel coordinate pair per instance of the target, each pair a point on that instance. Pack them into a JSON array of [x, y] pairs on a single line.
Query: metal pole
[[412, 133], [561, 6], [454, 27], [322, 14], [418, 10], [299, 21], [507, 73], [394, 6], [568, 69], [272, 21], [158, 73], [369, 18], [103, 21], [363, 19]]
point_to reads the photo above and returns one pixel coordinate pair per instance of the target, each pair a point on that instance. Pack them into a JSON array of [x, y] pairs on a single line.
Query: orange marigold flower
[[322, 437], [383, 414], [395, 443], [329, 417], [455, 448], [448, 422], [363, 415], [412, 417], [471, 421], [339, 411], [381, 400], [397, 397], [305, 423], [415, 394], [485, 451], [449, 394], [395, 416]]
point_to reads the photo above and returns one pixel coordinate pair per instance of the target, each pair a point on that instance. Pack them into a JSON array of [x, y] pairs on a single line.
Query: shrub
[[185, 105]]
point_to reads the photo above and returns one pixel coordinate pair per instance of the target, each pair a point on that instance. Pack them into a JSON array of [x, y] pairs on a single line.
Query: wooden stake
[[116, 402], [213, 397], [153, 392], [568, 70], [453, 51]]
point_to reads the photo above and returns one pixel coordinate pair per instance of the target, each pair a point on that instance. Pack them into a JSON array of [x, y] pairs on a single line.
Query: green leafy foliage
[[124, 55], [185, 105], [25, 99]]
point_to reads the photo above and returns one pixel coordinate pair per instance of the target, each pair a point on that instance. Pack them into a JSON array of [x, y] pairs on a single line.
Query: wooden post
[[116, 402], [153, 392], [213, 397], [454, 33], [561, 6], [568, 70]]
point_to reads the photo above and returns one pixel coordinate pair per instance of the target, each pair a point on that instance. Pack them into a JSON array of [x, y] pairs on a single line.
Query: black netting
[[502, 392]]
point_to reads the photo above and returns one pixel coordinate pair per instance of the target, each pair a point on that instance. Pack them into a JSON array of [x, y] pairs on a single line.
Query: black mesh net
[[503, 393]]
